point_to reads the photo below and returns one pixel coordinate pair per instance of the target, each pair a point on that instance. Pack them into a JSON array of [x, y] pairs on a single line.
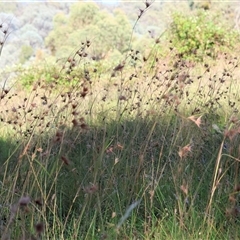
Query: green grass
[[122, 158]]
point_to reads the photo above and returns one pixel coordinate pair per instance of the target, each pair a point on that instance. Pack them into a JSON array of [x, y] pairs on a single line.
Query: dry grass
[[149, 149], [93, 148]]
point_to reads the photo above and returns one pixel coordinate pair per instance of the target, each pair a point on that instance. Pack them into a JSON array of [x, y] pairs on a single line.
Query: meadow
[[148, 149]]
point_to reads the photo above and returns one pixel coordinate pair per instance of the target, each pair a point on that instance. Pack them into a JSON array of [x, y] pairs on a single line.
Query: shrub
[[199, 35]]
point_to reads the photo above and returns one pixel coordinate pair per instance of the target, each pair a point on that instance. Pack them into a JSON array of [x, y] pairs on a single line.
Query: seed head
[[39, 228], [24, 201]]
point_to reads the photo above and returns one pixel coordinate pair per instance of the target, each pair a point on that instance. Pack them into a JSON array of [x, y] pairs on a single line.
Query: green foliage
[[52, 73], [29, 75], [107, 32], [81, 15], [200, 34], [26, 53]]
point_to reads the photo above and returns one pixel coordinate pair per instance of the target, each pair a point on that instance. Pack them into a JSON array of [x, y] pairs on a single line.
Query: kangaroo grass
[[146, 151]]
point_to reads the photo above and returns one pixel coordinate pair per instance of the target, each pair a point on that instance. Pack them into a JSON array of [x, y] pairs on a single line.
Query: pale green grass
[[123, 162]]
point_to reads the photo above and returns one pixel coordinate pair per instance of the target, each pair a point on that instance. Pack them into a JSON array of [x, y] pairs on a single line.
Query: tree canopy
[[106, 31]]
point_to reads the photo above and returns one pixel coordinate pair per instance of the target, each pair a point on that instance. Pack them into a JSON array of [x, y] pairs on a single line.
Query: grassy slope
[[124, 157]]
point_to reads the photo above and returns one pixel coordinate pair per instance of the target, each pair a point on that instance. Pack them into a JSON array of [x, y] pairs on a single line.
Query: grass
[[146, 151], [132, 160]]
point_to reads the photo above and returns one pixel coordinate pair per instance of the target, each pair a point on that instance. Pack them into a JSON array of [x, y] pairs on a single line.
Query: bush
[[199, 35]]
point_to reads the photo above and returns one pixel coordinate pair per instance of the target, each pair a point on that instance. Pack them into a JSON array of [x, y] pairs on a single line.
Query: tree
[[82, 14], [26, 53], [107, 32]]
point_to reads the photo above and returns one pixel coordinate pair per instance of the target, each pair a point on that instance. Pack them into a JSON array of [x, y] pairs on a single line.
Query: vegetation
[[201, 35], [107, 32], [146, 147]]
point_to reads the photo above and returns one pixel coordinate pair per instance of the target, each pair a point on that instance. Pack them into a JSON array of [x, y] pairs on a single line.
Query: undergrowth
[[149, 151]]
